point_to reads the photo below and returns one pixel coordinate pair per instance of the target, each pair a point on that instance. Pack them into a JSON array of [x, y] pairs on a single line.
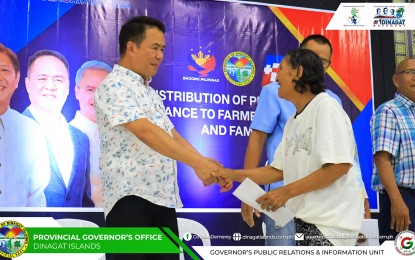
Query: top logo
[[373, 16], [354, 17], [386, 12], [389, 16]]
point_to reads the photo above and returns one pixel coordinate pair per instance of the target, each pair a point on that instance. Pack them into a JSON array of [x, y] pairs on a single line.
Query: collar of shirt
[[129, 73], [405, 101], [85, 122], [4, 118], [59, 137], [46, 122]]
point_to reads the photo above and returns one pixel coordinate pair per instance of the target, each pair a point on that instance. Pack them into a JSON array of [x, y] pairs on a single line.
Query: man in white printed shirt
[[139, 144]]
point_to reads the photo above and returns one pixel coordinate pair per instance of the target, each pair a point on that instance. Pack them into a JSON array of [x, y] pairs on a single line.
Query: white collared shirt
[[59, 138], [24, 162], [91, 130]]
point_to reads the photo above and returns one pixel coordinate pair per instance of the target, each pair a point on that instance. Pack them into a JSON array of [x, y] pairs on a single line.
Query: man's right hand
[[204, 169], [399, 216], [248, 214]]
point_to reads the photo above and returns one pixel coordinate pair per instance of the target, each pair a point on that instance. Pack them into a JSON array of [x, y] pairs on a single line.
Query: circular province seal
[[405, 243], [239, 68], [14, 239]]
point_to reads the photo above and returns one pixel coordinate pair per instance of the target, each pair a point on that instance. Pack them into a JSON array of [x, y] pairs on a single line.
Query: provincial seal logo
[[239, 68], [14, 239]]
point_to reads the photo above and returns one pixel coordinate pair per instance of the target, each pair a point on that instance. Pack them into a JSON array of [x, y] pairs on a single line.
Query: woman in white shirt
[[315, 158]]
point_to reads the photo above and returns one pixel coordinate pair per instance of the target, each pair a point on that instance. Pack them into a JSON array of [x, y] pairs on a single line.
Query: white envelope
[[248, 191]]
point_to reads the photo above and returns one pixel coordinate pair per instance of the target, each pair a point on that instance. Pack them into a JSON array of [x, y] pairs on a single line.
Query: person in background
[[47, 84], [393, 144], [24, 163], [88, 77]]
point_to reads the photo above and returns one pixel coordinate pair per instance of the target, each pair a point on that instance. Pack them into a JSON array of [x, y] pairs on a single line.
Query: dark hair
[[134, 30], [318, 38], [41, 53], [12, 56], [313, 71]]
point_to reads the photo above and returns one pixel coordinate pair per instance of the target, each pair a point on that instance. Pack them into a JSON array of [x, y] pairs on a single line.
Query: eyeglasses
[[407, 72], [326, 63]]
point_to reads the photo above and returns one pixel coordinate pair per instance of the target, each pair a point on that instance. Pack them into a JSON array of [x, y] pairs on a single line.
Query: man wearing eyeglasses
[[47, 84], [393, 142], [267, 127], [87, 79]]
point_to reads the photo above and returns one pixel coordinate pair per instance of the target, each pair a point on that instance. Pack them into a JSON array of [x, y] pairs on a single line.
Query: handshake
[[210, 171]]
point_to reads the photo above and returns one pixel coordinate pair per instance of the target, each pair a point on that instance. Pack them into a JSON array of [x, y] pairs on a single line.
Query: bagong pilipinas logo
[[14, 239], [202, 64], [354, 17], [405, 243], [387, 16], [239, 68]]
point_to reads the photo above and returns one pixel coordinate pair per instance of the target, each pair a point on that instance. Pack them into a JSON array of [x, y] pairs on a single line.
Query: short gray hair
[[92, 64]]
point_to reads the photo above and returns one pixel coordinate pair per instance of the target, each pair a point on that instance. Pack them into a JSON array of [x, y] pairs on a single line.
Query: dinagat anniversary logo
[[239, 68], [14, 239], [389, 16]]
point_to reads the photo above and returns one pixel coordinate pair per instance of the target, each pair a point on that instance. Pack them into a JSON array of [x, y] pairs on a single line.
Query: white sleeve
[[334, 134]]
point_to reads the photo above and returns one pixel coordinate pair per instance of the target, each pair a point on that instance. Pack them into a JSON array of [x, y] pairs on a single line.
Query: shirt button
[[0, 191]]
